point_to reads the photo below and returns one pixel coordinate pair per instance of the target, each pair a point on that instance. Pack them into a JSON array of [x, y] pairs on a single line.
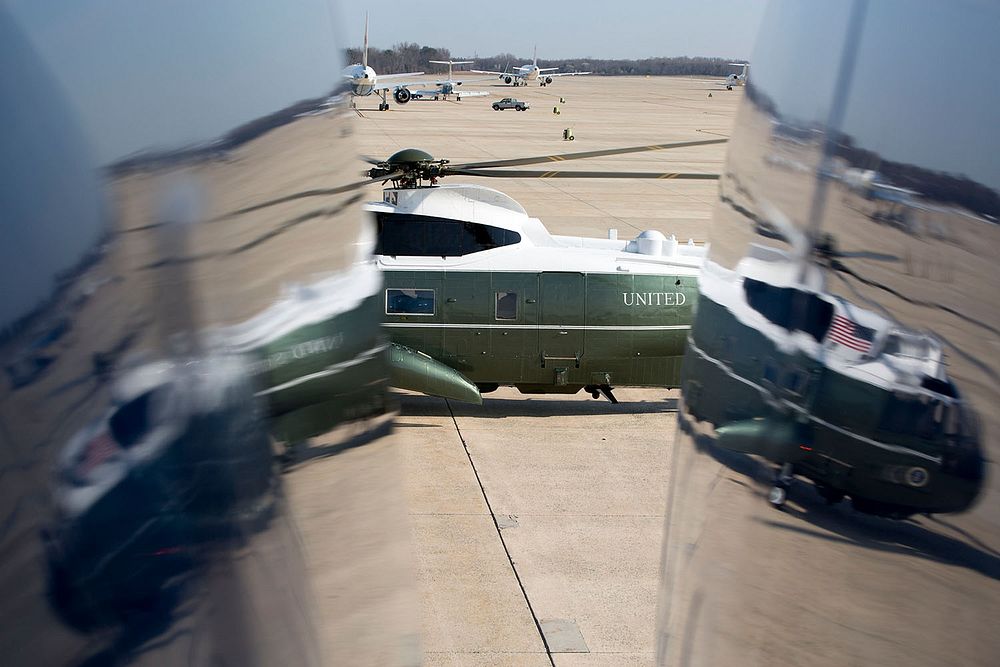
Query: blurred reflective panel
[[188, 299], [834, 493]]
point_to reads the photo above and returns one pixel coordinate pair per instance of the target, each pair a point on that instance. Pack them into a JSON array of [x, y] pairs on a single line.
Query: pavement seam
[[503, 543]]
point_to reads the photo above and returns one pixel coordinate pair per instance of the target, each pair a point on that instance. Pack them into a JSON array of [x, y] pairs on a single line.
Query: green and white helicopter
[[478, 294], [473, 294]]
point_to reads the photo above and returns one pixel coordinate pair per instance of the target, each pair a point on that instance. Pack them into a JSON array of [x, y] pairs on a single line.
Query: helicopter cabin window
[[409, 302], [790, 308], [506, 306], [428, 236]]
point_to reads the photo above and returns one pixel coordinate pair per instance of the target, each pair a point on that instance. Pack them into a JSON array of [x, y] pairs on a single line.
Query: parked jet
[[437, 90], [737, 79], [523, 74], [363, 80]]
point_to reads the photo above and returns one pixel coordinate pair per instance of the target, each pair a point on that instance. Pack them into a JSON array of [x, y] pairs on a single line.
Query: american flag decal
[[851, 335], [96, 452]]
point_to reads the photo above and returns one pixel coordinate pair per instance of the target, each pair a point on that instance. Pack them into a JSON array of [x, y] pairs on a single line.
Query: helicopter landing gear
[[597, 390], [782, 480]]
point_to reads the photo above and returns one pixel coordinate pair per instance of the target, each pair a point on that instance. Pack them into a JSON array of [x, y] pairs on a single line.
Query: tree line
[[411, 57]]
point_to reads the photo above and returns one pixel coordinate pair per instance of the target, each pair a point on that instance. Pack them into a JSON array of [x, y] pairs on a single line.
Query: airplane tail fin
[[534, 61], [449, 63], [364, 52]]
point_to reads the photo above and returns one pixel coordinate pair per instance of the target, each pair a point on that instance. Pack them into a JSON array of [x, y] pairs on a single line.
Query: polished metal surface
[[173, 262], [863, 173]]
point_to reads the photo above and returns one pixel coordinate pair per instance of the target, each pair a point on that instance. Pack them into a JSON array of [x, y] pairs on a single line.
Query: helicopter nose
[[967, 468]]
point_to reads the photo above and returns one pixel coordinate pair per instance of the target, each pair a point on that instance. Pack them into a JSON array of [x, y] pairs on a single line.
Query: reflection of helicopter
[[489, 297], [840, 395], [172, 465]]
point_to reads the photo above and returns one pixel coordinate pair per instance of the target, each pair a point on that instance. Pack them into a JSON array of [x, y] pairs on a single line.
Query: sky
[[562, 29], [920, 90]]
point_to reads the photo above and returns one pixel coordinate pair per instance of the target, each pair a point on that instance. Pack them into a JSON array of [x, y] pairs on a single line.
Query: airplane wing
[[570, 74], [517, 71], [471, 93], [547, 69], [409, 84], [398, 76]]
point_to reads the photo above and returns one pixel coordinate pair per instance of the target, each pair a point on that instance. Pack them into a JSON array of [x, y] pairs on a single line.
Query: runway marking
[[503, 542]]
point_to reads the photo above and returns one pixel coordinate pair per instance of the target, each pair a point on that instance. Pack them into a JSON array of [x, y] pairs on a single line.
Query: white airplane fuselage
[[738, 79], [363, 79], [528, 72]]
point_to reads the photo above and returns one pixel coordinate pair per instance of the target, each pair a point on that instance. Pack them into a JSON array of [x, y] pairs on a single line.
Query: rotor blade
[[864, 254], [585, 154], [325, 192], [371, 160], [538, 173]]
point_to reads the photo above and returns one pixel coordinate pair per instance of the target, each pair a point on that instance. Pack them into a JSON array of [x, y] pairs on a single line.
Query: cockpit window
[[130, 422], [428, 236], [790, 308], [916, 416]]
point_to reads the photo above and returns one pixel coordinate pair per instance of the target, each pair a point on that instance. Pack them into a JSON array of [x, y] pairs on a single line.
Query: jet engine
[[506, 79], [548, 80], [401, 95]]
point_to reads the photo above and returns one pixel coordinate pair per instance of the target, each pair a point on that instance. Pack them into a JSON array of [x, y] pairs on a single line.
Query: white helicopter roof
[[898, 359], [538, 250]]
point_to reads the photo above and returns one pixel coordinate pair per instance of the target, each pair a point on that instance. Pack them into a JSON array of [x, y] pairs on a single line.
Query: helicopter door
[[515, 321], [467, 311], [563, 313]]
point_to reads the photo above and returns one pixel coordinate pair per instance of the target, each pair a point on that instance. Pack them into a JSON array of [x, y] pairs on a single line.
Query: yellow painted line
[[549, 174]]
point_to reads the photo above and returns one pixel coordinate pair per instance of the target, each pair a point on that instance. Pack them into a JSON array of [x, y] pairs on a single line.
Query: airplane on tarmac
[[363, 80], [437, 90], [737, 79], [523, 74]]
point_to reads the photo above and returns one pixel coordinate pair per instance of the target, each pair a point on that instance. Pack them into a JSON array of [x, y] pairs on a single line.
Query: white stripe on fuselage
[[725, 368], [547, 327]]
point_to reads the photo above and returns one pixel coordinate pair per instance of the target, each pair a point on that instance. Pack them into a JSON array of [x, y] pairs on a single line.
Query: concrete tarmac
[[536, 522]]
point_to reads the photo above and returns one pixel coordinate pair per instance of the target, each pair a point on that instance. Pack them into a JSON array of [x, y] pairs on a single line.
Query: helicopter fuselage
[[474, 283]]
